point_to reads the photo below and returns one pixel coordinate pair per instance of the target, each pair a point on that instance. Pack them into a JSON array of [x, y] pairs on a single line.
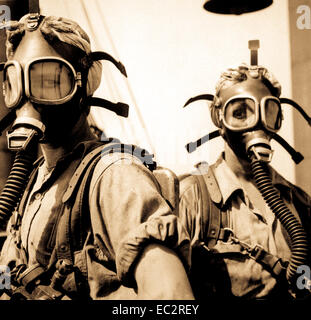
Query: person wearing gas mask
[[81, 229], [249, 227]]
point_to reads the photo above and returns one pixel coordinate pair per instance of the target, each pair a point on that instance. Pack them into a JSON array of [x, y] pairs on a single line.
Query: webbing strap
[[139, 153], [214, 226], [204, 199], [78, 183], [63, 236], [74, 181], [211, 213], [275, 265]]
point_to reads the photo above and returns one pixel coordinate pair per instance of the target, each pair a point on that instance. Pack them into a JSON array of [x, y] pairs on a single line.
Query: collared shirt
[[127, 212], [247, 278]]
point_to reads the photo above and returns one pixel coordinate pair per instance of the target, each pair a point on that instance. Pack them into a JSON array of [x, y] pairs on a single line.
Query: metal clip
[[254, 252], [79, 79], [227, 234], [33, 21]]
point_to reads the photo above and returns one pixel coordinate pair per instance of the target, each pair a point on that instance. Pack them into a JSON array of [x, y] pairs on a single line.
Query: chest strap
[[75, 209], [214, 226], [275, 265]]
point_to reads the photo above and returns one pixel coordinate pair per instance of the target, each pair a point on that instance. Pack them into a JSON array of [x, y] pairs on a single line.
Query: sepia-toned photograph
[[155, 154]]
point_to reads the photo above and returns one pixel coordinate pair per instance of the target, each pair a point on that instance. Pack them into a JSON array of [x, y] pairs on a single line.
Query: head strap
[[100, 55]]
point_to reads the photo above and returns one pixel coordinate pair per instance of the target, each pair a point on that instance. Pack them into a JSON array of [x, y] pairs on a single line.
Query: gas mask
[[46, 81], [248, 113], [45, 85]]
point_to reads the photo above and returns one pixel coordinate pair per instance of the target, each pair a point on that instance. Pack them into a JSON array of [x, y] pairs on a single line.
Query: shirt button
[[38, 196]]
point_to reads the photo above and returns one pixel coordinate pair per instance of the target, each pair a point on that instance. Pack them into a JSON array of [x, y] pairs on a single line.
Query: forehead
[[33, 45]]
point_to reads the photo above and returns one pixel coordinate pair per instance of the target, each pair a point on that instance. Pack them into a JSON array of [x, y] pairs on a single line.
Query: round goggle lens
[[50, 80], [240, 113]]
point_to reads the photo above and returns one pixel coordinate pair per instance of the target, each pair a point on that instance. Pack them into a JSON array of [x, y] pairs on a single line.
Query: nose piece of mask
[[257, 144], [24, 131]]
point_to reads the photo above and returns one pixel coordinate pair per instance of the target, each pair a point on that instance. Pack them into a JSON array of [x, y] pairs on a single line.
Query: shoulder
[[186, 182], [297, 192], [121, 168], [189, 189]]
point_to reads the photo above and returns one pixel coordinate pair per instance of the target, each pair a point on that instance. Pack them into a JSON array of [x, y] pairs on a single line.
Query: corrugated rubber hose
[[15, 184], [299, 243]]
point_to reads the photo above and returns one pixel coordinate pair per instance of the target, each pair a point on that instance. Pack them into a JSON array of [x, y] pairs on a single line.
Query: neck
[[80, 132], [239, 166]]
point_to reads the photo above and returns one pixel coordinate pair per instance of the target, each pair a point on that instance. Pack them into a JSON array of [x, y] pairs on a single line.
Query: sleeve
[[190, 208], [128, 213]]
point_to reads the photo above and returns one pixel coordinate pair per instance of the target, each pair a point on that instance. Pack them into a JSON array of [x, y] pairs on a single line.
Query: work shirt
[[244, 276], [127, 212]]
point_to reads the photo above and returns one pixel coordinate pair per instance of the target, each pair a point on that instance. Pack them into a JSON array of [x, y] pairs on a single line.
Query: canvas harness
[[66, 279], [214, 224]]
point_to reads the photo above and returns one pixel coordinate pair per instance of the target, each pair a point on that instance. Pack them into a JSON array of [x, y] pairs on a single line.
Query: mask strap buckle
[[33, 21]]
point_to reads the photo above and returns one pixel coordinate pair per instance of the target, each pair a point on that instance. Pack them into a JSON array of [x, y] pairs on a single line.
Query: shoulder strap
[[211, 212], [210, 200], [68, 236], [102, 150]]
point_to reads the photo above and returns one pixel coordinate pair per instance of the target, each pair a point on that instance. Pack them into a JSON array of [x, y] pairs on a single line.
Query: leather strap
[[275, 265], [211, 212]]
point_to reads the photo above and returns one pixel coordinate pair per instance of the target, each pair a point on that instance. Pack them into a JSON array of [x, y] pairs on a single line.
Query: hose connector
[[257, 144]]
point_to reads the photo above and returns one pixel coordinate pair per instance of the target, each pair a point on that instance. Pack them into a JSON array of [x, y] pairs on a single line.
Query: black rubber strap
[[34, 6]]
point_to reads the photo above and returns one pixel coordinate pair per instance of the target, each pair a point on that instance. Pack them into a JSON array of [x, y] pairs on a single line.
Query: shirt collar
[[229, 183], [78, 151]]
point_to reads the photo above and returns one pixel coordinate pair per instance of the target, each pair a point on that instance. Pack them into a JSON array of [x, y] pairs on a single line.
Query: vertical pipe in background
[[18, 8], [300, 37]]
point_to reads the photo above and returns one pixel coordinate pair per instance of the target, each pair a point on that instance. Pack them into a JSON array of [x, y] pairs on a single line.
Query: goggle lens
[[10, 86], [273, 114], [240, 113], [50, 80]]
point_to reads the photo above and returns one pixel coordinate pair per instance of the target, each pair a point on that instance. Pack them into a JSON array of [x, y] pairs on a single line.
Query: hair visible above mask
[[55, 30], [233, 76]]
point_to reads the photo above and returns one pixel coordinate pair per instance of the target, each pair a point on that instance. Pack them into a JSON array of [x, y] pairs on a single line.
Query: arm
[[160, 274], [133, 221]]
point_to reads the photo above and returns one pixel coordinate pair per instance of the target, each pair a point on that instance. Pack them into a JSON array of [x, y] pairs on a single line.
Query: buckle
[[256, 251], [227, 234], [33, 21]]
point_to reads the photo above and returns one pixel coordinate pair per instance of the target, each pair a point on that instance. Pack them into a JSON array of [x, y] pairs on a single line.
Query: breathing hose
[[299, 243], [16, 184]]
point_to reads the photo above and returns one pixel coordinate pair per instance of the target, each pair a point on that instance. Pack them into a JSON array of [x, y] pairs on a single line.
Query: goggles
[[46, 81], [243, 113]]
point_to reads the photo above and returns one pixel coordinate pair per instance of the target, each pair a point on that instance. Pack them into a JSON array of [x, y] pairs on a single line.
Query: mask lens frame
[[259, 112], [18, 85], [248, 125], [264, 104], [26, 76], [50, 101]]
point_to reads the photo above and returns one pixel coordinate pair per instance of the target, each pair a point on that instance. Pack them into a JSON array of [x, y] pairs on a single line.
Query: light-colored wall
[[301, 70], [174, 50]]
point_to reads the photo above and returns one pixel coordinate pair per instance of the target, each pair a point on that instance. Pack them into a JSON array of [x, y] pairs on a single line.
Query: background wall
[[301, 71], [174, 50]]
